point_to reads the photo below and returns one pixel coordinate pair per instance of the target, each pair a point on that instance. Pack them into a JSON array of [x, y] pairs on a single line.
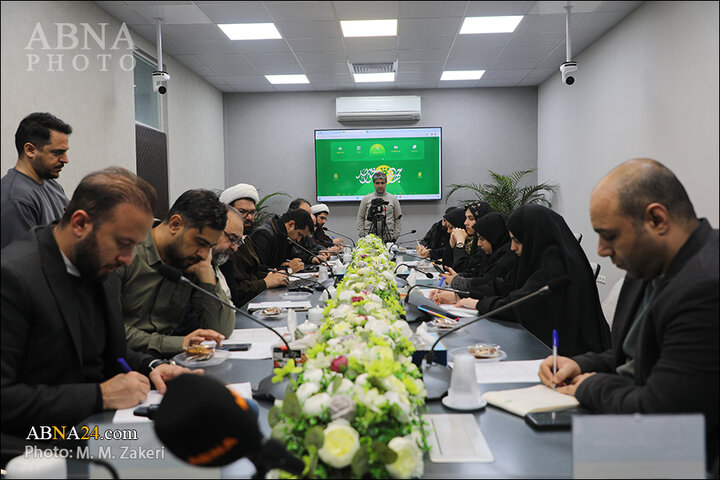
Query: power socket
[[601, 279]]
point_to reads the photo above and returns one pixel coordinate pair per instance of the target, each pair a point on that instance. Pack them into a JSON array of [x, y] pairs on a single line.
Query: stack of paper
[[295, 305], [522, 401], [458, 311]]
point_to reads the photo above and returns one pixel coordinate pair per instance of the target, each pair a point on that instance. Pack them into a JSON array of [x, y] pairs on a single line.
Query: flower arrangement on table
[[354, 407]]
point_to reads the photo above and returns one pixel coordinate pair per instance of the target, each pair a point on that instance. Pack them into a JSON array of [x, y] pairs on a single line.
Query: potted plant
[[505, 194]]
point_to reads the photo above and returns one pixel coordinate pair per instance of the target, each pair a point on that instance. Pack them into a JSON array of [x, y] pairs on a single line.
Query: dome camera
[[160, 80], [567, 71]]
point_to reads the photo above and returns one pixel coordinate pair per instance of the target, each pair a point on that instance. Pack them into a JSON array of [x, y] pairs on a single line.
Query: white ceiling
[[427, 42]]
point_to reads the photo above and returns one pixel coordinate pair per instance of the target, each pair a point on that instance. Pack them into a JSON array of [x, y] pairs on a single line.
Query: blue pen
[[124, 365], [555, 347], [442, 279]]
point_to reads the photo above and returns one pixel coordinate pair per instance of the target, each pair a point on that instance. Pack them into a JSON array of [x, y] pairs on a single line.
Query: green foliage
[[263, 213], [505, 194]]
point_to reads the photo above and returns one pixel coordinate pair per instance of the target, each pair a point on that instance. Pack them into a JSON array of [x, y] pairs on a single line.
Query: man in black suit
[[62, 326], [665, 337]]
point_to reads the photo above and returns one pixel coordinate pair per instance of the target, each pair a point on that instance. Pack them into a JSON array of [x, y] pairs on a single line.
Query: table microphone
[[175, 275], [265, 268], [205, 424], [428, 275], [308, 251], [437, 377], [338, 233], [401, 235]]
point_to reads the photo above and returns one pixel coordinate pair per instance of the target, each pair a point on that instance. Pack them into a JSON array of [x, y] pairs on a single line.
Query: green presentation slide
[[345, 166]]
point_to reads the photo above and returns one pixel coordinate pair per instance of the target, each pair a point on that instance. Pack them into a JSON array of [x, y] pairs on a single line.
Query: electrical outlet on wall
[[601, 279]]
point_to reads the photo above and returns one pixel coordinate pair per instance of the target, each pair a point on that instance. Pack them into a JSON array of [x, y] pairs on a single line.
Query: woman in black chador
[[547, 250]]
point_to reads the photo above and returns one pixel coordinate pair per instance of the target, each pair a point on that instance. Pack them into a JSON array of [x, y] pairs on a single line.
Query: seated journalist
[[62, 328], [153, 306], [664, 355], [270, 241]]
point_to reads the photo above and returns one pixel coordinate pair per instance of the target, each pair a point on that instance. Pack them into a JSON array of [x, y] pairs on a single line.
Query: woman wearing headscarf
[[493, 239], [547, 250], [466, 256], [454, 218]]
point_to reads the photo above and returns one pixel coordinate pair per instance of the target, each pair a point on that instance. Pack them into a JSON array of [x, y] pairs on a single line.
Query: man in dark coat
[[271, 244], [665, 338]]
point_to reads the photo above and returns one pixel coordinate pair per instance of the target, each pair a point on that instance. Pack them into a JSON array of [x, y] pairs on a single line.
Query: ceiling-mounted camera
[[567, 70], [160, 80]]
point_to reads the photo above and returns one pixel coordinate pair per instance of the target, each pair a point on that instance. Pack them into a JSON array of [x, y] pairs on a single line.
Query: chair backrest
[[610, 302], [595, 269]]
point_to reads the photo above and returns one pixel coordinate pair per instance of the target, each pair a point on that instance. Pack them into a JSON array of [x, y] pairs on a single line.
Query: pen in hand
[[124, 365], [555, 347]]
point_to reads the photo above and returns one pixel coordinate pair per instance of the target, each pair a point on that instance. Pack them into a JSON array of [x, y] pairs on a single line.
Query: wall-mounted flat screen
[[345, 161]]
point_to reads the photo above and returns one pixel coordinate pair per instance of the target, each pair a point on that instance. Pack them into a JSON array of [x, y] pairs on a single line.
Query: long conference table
[[518, 449]]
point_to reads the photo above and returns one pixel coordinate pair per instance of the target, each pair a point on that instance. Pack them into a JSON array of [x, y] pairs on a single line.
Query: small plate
[[295, 295], [219, 357], [263, 316], [501, 355], [448, 403]]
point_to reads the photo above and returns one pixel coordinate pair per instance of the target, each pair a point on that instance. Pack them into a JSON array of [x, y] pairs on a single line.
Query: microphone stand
[[436, 376], [394, 244], [336, 233], [308, 251]]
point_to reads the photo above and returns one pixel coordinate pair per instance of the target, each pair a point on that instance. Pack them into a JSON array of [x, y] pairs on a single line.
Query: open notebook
[[538, 398]]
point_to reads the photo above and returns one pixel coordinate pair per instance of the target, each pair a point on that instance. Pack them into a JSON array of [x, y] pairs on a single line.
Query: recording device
[[175, 275], [377, 215], [265, 268], [203, 423], [160, 80], [307, 251], [567, 70], [437, 377], [237, 347], [336, 233]]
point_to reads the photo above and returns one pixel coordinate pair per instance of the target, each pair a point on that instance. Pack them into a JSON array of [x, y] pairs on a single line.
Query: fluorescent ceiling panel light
[[462, 74], [287, 79], [369, 28], [250, 31], [490, 24], [374, 77]]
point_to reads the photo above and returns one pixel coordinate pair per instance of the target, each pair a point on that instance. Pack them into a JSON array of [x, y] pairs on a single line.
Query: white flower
[[377, 326], [402, 327], [307, 389], [361, 379], [346, 295], [401, 401], [340, 328], [345, 386], [313, 375], [340, 444], [409, 463], [394, 384], [389, 276], [371, 399], [315, 404]]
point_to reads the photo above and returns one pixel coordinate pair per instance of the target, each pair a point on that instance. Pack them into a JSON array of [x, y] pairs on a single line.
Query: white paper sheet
[[456, 438], [296, 305], [252, 335], [520, 371], [154, 397], [459, 311], [258, 351]]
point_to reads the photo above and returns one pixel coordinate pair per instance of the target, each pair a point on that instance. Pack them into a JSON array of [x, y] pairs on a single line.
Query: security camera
[[567, 69], [160, 80]]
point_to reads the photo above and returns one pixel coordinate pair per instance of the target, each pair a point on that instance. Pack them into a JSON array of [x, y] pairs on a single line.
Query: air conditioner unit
[[358, 109]]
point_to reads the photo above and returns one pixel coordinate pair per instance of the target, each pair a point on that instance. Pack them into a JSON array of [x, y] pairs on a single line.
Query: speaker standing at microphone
[[547, 249]]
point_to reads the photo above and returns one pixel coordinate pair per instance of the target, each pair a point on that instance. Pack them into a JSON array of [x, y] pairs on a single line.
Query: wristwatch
[[460, 244], [158, 361], [289, 270]]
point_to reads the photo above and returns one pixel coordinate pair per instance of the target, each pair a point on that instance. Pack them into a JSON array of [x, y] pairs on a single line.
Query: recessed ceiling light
[[490, 24], [369, 28], [287, 79], [374, 77], [250, 31], [462, 74]]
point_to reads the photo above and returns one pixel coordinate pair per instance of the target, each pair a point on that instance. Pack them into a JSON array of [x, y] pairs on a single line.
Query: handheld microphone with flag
[[265, 268], [308, 251], [205, 424], [338, 233], [437, 377]]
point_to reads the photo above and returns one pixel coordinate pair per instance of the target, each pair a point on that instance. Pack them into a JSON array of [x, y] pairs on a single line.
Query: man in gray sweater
[[372, 207]]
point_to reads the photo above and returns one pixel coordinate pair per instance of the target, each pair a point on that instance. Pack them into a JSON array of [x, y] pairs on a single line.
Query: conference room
[[164, 90]]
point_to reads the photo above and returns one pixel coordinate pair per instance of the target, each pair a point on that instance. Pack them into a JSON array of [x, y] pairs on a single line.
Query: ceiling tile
[[330, 78], [429, 26], [322, 58], [194, 33], [423, 42], [316, 44], [471, 59], [479, 9], [255, 88], [123, 13], [457, 84], [282, 69], [367, 10], [429, 55], [235, 70], [510, 74], [258, 59], [419, 67], [370, 44], [333, 68], [275, 45], [148, 32], [212, 60], [373, 56], [193, 64], [531, 38], [485, 40], [518, 57], [416, 77], [626, 6], [209, 48], [329, 87], [302, 87], [172, 14], [307, 29], [236, 12], [432, 9], [245, 80], [288, 11]]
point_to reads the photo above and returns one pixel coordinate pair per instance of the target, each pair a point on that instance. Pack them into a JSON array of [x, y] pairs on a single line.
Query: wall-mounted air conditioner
[[358, 109]]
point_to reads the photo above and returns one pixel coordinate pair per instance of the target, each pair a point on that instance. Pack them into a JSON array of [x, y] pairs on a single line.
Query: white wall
[[100, 105], [647, 88], [269, 143]]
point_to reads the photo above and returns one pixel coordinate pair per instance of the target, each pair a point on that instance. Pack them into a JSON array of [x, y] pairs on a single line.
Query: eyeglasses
[[234, 239], [245, 213]]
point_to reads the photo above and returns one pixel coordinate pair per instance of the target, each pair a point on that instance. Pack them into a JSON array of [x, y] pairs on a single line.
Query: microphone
[[437, 377], [265, 268], [308, 251], [337, 233], [401, 235], [187, 405], [175, 275], [428, 275], [447, 289]]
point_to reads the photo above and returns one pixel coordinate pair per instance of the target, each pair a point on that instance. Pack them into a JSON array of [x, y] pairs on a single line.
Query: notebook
[[538, 398]]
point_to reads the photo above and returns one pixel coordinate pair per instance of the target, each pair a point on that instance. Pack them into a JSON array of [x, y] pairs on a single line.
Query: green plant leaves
[[274, 415], [291, 405], [314, 437]]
